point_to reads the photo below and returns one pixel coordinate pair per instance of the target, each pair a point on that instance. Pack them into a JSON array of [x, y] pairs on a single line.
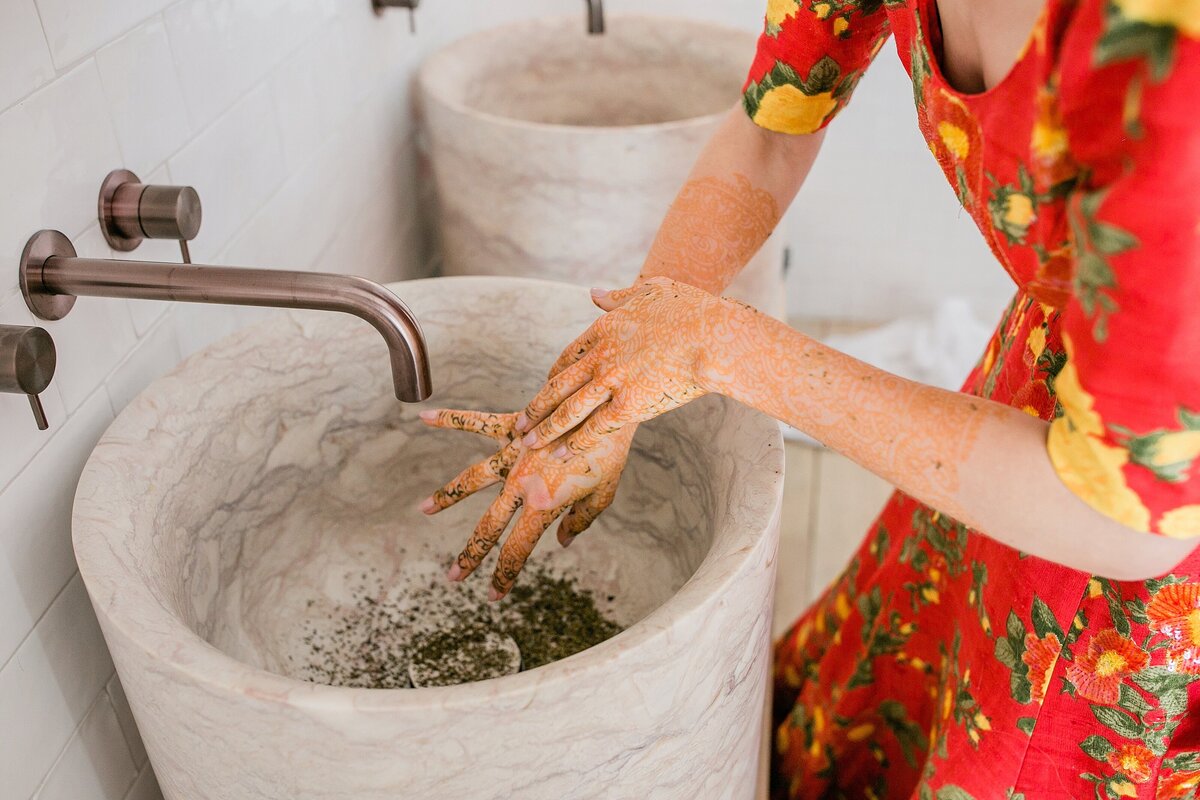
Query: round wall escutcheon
[[118, 238], [42, 246]]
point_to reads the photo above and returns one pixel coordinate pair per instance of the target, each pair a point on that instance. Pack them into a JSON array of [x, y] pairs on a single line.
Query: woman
[[1023, 620]]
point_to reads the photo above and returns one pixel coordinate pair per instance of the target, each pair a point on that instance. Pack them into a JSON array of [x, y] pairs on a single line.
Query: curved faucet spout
[[63, 274]]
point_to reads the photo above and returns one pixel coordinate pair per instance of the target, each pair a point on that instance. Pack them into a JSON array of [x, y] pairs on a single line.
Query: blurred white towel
[[938, 348]]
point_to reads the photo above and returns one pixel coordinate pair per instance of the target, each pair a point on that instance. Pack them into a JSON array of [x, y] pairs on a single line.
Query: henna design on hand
[[538, 485]]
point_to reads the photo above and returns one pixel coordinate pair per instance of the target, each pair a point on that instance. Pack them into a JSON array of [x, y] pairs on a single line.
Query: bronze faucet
[[52, 276], [595, 16]]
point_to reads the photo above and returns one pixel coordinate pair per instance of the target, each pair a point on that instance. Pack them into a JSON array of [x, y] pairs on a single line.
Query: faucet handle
[[131, 211], [27, 360]]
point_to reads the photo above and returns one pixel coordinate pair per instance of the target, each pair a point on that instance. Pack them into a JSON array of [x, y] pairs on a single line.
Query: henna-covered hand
[[642, 359], [533, 480]]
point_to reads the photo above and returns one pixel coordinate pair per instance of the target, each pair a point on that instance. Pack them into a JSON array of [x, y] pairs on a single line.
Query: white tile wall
[[292, 118]]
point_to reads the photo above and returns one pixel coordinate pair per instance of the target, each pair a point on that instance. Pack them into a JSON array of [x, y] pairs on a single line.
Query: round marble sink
[[557, 153], [270, 476]]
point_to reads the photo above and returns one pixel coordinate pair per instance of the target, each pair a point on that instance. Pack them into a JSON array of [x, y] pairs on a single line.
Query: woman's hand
[[651, 353], [533, 479]]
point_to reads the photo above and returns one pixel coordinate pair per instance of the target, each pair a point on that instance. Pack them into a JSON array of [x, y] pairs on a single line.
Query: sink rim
[[129, 609], [427, 77]]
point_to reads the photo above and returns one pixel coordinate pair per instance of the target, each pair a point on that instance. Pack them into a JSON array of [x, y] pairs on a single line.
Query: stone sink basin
[[241, 499], [557, 153]]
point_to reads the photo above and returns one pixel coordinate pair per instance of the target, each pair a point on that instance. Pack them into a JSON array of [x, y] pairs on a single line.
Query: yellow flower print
[[778, 11], [1183, 15], [955, 139], [860, 732], [840, 26], [1089, 467], [1037, 341], [822, 10], [1172, 448], [1123, 789], [1018, 210], [788, 110], [1181, 523]]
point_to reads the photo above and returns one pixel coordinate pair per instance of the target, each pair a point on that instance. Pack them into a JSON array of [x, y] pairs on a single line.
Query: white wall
[[292, 119]]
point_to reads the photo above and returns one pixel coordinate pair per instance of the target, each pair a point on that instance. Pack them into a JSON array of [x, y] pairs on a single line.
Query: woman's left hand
[[541, 486], [651, 353]]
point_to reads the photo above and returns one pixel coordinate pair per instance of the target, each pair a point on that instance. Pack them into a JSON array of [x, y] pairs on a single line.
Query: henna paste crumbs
[[445, 633]]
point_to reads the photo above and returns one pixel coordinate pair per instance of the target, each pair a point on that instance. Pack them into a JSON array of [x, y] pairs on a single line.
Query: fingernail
[[455, 573], [493, 595], [429, 415], [567, 542], [529, 439], [522, 422], [428, 506], [561, 452], [599, 294]]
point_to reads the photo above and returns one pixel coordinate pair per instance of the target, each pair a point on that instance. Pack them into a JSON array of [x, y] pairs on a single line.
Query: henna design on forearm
[[711, 230]]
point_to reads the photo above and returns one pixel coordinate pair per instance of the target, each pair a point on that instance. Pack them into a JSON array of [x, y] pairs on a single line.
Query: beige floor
[[828, 503]]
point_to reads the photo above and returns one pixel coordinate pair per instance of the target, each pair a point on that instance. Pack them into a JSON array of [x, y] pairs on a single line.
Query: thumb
[[612, 300]]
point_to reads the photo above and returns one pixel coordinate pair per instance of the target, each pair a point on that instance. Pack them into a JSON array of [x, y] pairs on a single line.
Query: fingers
[[475, 477], [495, 426], [585, 511], [485, 536], [575, 350], [558, 389], [607, 419], [570, 413], [517, 547], [614, 299]]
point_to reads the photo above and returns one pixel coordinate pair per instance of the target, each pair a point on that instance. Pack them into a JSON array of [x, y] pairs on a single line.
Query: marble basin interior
[[641, 71], [254, 491]]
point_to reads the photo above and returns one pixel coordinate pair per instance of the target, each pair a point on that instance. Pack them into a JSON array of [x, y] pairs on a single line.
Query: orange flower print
[[1178, 786], [1174, 612], [1109, 659], [1133, 760], [1040, 656]]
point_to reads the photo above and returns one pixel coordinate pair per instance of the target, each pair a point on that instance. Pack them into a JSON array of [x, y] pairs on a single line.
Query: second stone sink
[[246, 499], [557, 153]]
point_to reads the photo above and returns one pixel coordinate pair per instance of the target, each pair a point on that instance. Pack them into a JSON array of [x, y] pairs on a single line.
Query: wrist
[[727, 338]]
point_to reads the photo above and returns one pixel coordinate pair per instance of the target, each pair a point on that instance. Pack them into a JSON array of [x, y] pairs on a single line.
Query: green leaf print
[[1044, 621], [1118, 721], [1183, 762], [1026, 724], [907, 732], [952, 792], [1133, 702], [1095, 241], [1097, 747], [1126, 38]]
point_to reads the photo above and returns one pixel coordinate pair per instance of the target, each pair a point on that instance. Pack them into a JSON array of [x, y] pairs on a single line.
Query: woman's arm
[[981, 462], [733, 198]]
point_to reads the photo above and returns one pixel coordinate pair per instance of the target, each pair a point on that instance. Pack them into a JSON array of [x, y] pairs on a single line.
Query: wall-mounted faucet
[[131, 211], [411, 5], [595, 16], [52, 276], [27, 359]]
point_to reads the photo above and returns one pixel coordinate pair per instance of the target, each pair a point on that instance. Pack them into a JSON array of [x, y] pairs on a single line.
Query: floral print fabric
[[943, 665]]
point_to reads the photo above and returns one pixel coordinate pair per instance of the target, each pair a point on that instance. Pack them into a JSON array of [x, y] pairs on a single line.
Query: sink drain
[[461, 655]]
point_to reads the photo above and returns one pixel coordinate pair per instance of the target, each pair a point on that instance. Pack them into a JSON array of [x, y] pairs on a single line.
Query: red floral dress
[[943, 665]]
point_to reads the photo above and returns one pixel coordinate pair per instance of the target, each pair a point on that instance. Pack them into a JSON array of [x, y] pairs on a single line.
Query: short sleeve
[[810, 57], [1128, 438]]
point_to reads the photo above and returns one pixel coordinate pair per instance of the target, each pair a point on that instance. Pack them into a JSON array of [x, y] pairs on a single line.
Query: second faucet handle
[[27, 360], [131, 211]]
